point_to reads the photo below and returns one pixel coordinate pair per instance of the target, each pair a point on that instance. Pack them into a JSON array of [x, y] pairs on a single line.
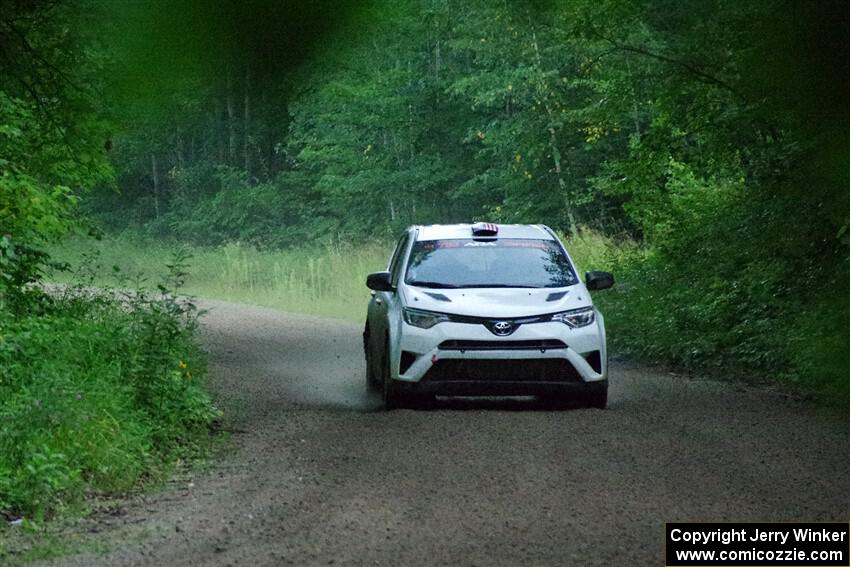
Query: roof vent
[[484, 229]]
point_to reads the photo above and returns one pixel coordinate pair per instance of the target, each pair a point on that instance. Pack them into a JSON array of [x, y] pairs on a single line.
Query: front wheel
[[597, 395], [373, 377], [393, 398]]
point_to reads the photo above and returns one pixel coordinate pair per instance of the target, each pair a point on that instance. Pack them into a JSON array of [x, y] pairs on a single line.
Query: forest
[[696, 148]]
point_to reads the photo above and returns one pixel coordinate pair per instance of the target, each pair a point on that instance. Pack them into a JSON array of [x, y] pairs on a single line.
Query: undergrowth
[[100, 390]]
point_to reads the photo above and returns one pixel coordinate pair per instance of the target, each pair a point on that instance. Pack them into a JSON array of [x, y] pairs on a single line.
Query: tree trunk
[[246, 122], [217, 129], [437, 64], [437, 61], [231, 123], [264, 148], [553, 139], [180, 153], [155, 176], [635, 115], [562, 184]]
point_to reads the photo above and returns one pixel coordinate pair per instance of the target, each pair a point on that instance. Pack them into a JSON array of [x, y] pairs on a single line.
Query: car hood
[[497, 302]]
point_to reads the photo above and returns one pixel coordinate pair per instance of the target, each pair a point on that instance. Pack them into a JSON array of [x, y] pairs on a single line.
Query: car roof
[[457, 231]]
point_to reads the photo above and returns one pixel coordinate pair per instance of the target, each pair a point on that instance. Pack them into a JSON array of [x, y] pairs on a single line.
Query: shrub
[[97, 392]]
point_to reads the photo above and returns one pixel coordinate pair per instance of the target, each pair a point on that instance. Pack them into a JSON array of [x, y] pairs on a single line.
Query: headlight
[[576, 317], [423, 319]]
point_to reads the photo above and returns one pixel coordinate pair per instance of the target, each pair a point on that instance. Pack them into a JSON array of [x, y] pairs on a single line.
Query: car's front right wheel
[[596, 395], [373, 375], [392, 397]]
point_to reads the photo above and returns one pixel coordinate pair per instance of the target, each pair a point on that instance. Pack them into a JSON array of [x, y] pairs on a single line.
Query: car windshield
[[504, 262]]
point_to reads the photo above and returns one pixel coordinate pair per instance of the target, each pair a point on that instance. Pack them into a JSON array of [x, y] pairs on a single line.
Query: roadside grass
[[100, 394], [327, 281], [27, 545]]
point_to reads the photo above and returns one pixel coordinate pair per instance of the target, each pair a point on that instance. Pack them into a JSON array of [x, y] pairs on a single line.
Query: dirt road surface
[[318, 476]]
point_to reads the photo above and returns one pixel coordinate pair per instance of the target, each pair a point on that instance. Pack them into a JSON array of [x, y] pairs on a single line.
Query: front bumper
[[459, 358]]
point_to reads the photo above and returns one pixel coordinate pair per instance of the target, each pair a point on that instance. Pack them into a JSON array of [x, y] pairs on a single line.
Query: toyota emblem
[[503, 328]]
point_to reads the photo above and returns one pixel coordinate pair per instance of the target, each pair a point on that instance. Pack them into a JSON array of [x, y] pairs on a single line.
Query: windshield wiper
[[434, 285]]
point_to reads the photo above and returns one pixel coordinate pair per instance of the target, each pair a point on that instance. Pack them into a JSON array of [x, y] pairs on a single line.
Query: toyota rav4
[[484, 309]]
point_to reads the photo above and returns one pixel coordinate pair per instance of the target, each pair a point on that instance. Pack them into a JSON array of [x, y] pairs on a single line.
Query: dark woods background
[[711, 132]]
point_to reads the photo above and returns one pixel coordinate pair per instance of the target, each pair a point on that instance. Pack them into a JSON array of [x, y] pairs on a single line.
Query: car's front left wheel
[[373, 375], [597, 395], [392, 396]]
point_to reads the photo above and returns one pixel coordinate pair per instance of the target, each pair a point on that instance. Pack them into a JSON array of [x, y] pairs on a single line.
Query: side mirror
[[379, 281], [598, 280]]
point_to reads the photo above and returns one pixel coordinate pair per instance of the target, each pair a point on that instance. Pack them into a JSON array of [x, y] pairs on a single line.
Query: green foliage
[[241, 212], [703, 298], [324, 280], [94, 389], [710, 131], [702, 141], [51, 137], [416, 114], [97, 392]]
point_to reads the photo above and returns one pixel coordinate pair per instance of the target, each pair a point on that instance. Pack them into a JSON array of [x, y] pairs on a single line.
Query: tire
[[597, 395], [373, 380], [392, 397]]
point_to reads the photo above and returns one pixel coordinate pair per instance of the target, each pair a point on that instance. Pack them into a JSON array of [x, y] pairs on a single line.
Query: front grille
[[486, 370], [484, 320], [513, 323], [541, 345]]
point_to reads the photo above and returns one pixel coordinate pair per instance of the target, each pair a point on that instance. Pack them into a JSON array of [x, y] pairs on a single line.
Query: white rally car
[[484, 309]]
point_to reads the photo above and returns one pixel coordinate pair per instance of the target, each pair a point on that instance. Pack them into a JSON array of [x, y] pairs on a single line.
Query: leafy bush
[[269, 214], [730, 292], [98, 391]]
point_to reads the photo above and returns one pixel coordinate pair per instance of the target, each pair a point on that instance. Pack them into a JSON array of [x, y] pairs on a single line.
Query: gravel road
[[318, 476]]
